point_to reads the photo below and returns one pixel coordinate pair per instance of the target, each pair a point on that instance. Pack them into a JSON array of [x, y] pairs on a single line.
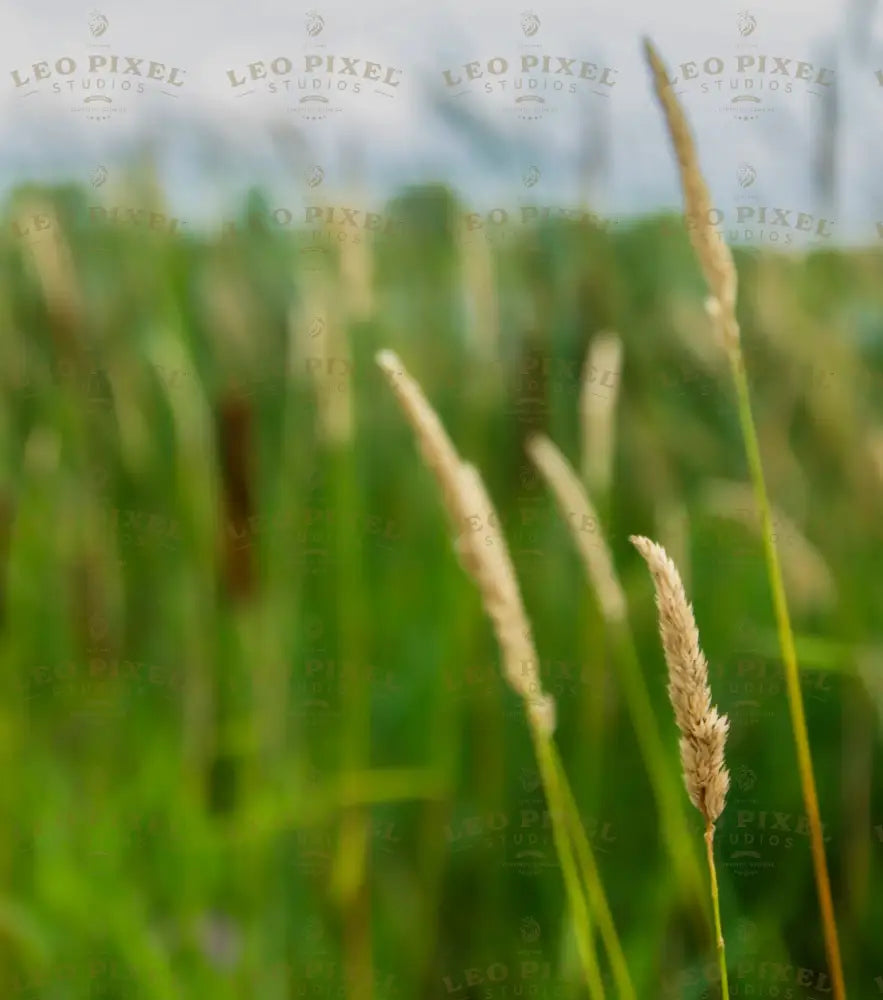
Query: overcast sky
[[397, 93]]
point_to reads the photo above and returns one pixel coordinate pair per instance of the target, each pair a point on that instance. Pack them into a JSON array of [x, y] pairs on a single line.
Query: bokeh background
[[255, 738]]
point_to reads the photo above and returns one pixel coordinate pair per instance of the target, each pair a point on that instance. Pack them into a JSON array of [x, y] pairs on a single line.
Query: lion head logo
[[746, 22], [98, 24], [315, 23], [746, 932], [746, 175], [531, 176], [98, 627], [528, 478], [745, 778], [530, 779], [530, 930], [315, 176], [530, 23], [99, 176]]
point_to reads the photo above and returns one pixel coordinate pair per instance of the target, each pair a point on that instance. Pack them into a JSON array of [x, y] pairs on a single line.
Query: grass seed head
[[703, 730]]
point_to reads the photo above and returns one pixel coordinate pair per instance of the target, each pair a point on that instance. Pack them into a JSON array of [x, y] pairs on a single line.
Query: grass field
[[255, 738]]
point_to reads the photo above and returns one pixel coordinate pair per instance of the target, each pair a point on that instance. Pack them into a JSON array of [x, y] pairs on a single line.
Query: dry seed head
[[356, 263], [712, 252], [703, 731], [435, 445], [485, 557], [577, 510], [674, 532], [53, 262], [319, 309], [598, 410], [481, 548]]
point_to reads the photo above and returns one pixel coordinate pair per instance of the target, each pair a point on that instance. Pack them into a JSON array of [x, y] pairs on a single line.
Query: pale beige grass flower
[[712, 251], [318, 344], [597, 405], [703, 730], [483, 553], [584, 523]]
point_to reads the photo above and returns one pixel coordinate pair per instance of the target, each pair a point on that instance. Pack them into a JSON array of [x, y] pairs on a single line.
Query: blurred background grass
[[255, 737]]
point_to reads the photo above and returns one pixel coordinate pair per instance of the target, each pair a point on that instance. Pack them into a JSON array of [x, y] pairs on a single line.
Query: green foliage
[[253, 731]]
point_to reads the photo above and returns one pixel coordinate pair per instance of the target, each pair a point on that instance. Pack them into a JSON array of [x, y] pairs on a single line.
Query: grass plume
[[491, 568], [577, 510], [720, 274], [488, 565], [597, 405], [712, 252], [573, 501], [703, 730]]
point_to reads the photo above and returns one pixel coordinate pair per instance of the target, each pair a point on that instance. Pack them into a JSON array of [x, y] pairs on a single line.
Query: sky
[[531, 108]]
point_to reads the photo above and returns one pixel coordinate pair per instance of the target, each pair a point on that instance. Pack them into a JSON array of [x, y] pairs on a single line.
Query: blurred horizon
[[804, 144]]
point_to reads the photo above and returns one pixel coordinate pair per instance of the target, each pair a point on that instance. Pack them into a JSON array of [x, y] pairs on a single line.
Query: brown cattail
[[234, 434], [703, 731]]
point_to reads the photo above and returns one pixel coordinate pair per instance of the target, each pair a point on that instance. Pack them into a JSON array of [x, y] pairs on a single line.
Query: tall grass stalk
[[792, 676], [716, 908], [491, 568], [574, 502], [553, 784], [598, 413], [589, 869], [703, 729], [720, 274]]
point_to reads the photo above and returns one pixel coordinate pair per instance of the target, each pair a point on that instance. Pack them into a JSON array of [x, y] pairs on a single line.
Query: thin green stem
[[595, 889], [570, 495], [792, 675], [715, 902], [555, 798]]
